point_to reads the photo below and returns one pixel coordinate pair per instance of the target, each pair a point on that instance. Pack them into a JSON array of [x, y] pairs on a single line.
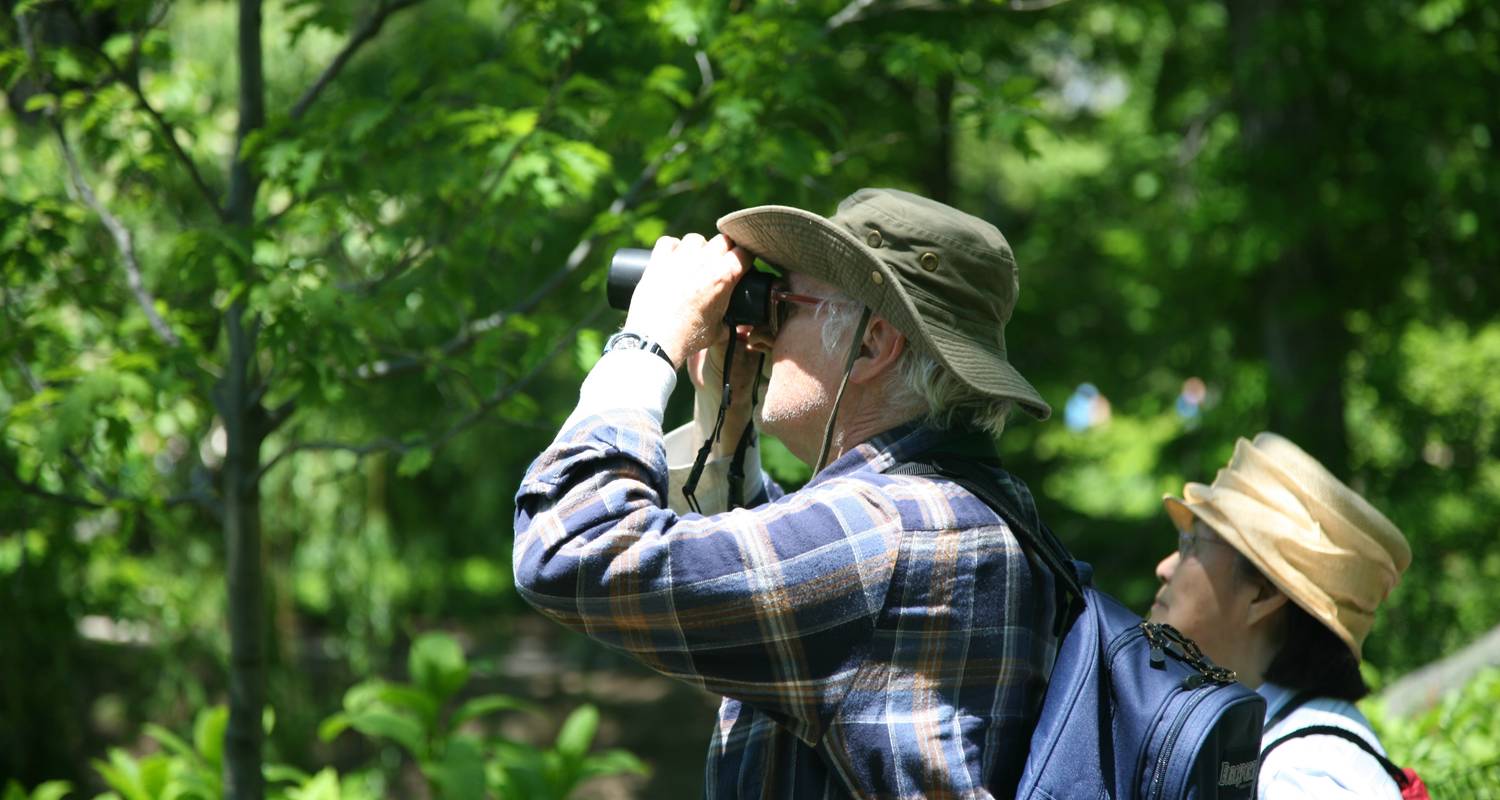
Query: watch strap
[[626, 340]]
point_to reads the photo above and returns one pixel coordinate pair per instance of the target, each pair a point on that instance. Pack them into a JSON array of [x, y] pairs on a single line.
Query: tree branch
[[36, 490], [1034, 5], [361, 36], [124, 242], [857, 10], [490, 403], [473, 330], [165, 129]]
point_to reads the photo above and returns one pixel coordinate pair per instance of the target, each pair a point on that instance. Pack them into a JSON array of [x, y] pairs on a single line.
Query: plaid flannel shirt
[[873, 635]]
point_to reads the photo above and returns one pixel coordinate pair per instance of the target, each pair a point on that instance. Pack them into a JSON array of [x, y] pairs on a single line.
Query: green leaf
[[208, 735], [613, 762], [406, 697], [414, 462], [577, 733], [171, 742], [39, 102], [333, 726], [123, 774], [437, 665], [488, 704], [402, 728], [519, 770], [460, 775], [283, 773], [51, 790], [323, 786]]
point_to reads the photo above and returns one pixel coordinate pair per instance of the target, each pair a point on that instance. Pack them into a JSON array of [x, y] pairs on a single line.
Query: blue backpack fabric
[[1132, 709]]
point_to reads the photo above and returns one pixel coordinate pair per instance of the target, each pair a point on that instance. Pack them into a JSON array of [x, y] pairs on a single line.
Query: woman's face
[[1207, 596]]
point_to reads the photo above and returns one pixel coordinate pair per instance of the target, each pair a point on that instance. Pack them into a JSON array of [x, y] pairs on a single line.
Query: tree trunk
[[937, 172], [1423, 688], [244, 427], [1301, 307], [238, 397]]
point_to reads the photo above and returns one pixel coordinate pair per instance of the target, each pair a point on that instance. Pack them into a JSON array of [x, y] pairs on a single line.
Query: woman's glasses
[[1189, 540]]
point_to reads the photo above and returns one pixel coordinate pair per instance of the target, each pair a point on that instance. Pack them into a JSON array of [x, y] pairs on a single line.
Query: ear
[[881, 349], [1268, 600]]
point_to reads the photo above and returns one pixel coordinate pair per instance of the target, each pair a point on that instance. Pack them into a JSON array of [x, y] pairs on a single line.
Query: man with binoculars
[[877, 633]]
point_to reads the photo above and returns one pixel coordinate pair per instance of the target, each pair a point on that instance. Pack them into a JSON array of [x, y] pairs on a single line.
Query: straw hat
[[1325, 547], [944, 278]]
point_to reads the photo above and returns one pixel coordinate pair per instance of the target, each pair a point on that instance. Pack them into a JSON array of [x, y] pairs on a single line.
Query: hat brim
[[801, 241]]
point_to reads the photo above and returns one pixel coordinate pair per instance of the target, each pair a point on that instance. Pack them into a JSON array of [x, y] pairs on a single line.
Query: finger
[[745, 256], [718, 244], [759, 341], [695, 366], [664, 245], [693, 240]]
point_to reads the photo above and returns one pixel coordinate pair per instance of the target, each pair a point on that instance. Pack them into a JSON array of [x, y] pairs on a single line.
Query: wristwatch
[[625, 340]]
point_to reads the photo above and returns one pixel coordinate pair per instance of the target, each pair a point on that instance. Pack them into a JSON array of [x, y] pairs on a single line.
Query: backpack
[[1132, 709], [1407, 780]]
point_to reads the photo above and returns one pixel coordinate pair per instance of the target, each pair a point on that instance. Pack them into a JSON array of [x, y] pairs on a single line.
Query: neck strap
[[833, 414]]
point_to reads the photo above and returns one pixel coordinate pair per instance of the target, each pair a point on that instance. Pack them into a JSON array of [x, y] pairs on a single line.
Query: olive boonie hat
[[1325, 547], [944, 278]]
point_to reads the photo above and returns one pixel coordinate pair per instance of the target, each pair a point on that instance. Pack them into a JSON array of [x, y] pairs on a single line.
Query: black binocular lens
[[749, 305]]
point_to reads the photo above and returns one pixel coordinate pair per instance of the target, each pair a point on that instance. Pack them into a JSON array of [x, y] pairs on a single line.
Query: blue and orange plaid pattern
[[873, 635]]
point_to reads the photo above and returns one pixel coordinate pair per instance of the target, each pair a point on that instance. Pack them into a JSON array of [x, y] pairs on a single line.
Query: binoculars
[[749, 305]]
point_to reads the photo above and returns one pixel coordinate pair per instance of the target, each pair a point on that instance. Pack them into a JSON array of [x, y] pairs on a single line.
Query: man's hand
[[682, 298]]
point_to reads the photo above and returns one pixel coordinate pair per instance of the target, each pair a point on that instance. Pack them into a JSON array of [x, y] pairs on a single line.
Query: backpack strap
[[1391, 769], [1298, 700], [1033, 535]]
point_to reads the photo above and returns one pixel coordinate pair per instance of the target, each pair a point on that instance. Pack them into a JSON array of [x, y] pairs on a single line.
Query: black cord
[[701, 461], [747, 438]]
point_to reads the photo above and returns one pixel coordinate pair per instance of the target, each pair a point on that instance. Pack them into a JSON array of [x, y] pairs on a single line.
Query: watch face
[[624, 341]]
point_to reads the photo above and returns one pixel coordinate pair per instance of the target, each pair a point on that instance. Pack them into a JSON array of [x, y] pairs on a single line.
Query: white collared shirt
[[1320, 767]]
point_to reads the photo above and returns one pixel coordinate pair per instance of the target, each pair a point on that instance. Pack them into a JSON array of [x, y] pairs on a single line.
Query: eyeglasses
[[782, 302], [1188, 541]]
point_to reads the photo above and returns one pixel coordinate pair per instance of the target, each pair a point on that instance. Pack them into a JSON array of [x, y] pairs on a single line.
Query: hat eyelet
[[929, 261], [876, 278], [874, 238]]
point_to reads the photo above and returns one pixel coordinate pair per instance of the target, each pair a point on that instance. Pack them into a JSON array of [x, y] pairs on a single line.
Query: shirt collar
[[891, 447]]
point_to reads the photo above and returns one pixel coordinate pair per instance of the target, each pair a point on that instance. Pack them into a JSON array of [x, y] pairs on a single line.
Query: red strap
[[1414, 789]]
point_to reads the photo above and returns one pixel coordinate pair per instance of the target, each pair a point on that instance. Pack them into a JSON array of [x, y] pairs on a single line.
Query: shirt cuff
[[625, 379]]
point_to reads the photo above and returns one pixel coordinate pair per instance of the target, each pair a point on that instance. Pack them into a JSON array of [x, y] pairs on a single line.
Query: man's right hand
[[684, 293]]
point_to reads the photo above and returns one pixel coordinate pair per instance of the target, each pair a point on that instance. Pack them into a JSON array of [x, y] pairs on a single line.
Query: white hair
[[919, 379]]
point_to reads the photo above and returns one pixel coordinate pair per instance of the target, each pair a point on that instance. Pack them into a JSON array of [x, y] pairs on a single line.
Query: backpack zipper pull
[[1153, 635]]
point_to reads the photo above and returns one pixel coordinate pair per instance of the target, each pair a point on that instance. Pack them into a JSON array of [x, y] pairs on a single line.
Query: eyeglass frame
[[1188, 540], [782, 295]]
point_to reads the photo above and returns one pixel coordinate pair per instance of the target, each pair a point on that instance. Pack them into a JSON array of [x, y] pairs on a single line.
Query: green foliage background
[[1293, 202]]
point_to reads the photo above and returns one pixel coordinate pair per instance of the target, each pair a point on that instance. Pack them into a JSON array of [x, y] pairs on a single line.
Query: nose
[[1166, 566]]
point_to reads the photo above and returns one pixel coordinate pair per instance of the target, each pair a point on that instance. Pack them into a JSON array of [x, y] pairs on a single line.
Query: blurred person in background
[[1278, 571]]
